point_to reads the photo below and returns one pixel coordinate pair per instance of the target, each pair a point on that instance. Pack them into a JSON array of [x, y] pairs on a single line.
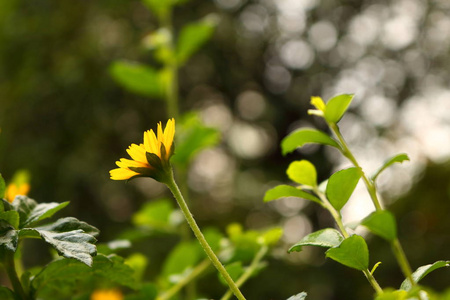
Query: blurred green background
[[65, 120]]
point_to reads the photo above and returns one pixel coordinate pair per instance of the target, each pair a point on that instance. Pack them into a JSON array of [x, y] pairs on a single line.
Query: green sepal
[[327, 238], [352, 252]]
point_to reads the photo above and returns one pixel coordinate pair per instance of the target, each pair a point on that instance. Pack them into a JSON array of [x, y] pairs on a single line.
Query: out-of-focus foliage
[[64, 118]]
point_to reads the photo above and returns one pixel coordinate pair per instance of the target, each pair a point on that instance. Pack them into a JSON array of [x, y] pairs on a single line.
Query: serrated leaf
[[302, 172], [399, 158], [24, 206], [302, 137], [381, 223], [12, 217], [193, 36], [300, 296], [192, 137], [282, 191], [336, 107], [64, 278], [137, 78], [341, 186], [235, 270], [8, 236], [326, 238], [352, 252], [43, 211], [423, 271], [2, 187], [70, 237]]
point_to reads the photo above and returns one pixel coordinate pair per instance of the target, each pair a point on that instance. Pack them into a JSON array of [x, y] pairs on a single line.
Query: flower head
[[320, 106], [150, 159], [13, 189], [112, 294]]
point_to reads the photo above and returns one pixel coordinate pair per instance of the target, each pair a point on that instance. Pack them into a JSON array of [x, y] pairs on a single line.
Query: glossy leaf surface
[[305, 136], [352, 252], [341, 186], [381, 223], [282, 191], [326, 238]]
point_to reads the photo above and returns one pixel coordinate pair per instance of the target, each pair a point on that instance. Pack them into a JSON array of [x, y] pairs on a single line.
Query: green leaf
[[326, 238], [192, 137], [70, 237], [423, 271], [272, 236], [43, 211], [392, 295], [160, 8], [341, 186], [301, 296], [137, 78], [24, 206], [235, 270], [148, 291], [302, 137], [8, 236], [2, 187], [183, 256], [336, 107], [64, 278], [155, 214], [282, 191], [138, 262], [381, 223], [352, 252], [193, 36], [302, 172], [6, 294], [12, 217], [399, 158]]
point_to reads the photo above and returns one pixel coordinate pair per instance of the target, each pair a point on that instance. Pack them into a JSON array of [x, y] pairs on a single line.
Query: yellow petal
[[169, 133], [154, 144], [318, 103], [160, 133], [127, 163], [121, 174], [137, 153]]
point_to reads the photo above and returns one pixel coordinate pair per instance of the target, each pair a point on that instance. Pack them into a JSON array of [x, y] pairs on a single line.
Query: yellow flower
[[320, 106], [112, 294], [13, 190], [150, 159]]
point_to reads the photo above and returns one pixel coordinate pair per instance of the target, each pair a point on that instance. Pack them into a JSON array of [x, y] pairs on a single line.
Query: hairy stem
[[370, 185], [199, 269], [12, 274], [249, 271], [171, 184]]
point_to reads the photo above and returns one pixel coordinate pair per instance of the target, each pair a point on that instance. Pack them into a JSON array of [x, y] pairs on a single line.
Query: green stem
[[199, 269], [171, 184], [338, 219], [249, 271], [12, 274], [172, 70], [370, 185]]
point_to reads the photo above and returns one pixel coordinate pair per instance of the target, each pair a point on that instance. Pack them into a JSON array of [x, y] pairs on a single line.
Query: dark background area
[[65, 120]]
